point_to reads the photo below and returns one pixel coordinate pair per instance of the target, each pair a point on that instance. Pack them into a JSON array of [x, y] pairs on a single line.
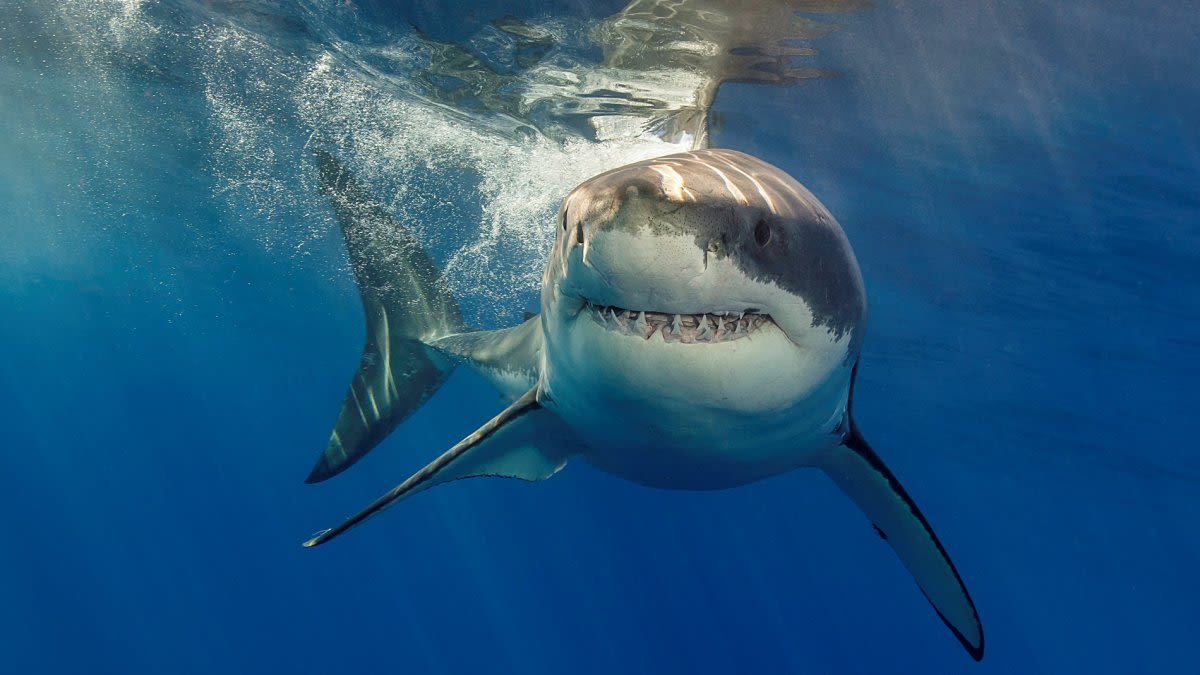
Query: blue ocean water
[[179, 324]]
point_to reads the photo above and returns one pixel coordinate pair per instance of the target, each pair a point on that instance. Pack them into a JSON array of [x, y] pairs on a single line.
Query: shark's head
[[707, 265]]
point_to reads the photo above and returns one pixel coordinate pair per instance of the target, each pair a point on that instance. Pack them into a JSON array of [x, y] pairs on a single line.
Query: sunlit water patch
[[472, 144]]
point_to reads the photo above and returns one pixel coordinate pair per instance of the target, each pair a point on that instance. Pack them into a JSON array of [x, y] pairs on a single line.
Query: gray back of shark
[[702, 316]]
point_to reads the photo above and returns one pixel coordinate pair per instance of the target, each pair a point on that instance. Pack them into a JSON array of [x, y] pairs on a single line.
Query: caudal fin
[[407, 304]]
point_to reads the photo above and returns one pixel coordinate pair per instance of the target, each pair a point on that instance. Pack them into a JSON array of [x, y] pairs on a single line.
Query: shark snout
[[635, 269]]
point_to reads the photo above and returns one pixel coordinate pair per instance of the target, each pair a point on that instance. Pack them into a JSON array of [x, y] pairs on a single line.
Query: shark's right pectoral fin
[[860, 473], [525, 441]]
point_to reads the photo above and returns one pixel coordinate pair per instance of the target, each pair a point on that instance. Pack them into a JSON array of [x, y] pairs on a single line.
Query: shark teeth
[[642, 326], [704, 328]]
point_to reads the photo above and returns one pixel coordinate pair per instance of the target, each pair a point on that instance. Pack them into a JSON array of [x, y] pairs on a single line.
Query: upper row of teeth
[[707, 326]]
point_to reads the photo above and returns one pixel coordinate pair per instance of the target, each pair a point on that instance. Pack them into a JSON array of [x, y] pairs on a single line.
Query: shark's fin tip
[[321, 471], [317, 539]]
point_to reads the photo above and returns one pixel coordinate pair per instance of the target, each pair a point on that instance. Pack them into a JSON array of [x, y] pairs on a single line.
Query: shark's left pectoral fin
[[860, 473], [525, 441]]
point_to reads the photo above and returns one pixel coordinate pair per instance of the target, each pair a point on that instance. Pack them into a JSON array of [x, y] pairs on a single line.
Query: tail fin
[[406, 303]]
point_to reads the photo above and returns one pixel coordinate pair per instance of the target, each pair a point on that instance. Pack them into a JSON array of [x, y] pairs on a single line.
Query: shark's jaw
[[698, 406], [683, 328], [674, 357], [645, 317]]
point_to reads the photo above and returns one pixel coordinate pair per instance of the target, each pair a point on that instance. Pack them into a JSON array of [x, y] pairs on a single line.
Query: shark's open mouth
[[683, 328]]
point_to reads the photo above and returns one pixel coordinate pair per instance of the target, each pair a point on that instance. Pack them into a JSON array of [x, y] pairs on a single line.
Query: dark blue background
[[1020, 185]]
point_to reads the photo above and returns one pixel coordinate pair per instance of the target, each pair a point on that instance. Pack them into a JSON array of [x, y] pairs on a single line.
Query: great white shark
[[702, 316]]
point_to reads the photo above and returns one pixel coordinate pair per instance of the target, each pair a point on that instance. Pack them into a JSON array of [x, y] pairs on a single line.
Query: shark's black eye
[[762, 233]]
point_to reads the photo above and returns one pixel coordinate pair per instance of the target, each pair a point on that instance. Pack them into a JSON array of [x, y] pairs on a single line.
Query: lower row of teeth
[[712, 327]]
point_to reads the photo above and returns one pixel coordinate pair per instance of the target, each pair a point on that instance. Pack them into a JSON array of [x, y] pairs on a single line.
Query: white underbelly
[[695, 416]]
